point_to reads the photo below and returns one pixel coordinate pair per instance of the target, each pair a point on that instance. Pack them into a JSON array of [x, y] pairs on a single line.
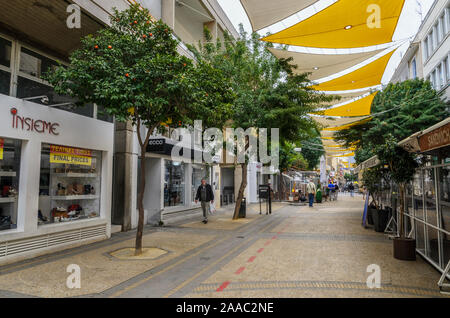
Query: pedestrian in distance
[[332, 189], [351, 188], [206, 197], [311, 189]]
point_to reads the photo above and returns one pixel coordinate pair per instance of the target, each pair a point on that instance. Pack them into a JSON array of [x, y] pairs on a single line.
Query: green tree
[[134, 71], [401, 166], [312, 151], [268, 93], [401, 109]]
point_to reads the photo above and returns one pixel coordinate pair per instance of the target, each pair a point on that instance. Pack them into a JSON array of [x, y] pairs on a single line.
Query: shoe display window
[[10, 150], [70, 182]]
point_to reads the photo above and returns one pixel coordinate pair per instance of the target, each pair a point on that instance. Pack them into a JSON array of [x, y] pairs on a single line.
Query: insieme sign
[[34, 125]]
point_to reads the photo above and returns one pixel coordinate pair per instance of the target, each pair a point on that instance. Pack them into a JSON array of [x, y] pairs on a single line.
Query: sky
[[408, 26]]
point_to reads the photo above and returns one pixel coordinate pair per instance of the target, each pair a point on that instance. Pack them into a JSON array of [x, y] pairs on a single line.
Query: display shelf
[[8, 174], [76, 175], [75, 197], [8, 200]]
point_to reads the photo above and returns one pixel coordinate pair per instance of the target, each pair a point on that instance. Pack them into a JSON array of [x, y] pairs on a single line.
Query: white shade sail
[[329, 122], [263, 13], [323, 65]]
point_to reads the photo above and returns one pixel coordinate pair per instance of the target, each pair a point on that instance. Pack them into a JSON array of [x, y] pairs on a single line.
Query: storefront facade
[[428, 196], [55, 179]]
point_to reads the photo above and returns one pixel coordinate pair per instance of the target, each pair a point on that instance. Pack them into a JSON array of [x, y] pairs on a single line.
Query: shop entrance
[[227, 186]]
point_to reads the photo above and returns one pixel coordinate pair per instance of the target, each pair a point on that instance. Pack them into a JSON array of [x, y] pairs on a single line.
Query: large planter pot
[[380, 219], [370, 212], [405, 249]]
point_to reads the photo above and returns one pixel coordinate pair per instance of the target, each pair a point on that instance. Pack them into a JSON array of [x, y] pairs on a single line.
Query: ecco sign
[[30, 124]]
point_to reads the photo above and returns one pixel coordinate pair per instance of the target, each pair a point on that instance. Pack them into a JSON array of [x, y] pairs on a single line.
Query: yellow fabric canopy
[[360, 107], [352, 154], [323, 65], [263, 13], [348, 126], [344, 24], [366, 76]]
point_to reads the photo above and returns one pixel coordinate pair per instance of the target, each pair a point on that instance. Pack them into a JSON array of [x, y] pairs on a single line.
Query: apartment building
[[427, 56]]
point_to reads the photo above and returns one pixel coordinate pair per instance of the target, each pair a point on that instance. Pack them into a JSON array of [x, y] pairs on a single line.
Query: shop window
[[10, 150], [35, 64], [444, 191], [5, 82], [5, 52], [174, 184], [199, 172], [70, 183], [102, 115]]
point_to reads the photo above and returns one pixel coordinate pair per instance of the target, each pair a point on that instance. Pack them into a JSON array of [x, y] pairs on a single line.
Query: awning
[[330, 122], [345, 97], [263, 13], [344, 24], [323, 65], [366, 76], [360, 107]]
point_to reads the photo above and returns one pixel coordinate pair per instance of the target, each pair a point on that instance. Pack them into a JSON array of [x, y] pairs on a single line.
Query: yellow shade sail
[[323, 65], [352, 154], [360, 107], [263, 13], [366, 76], [345, 24], [348, 126]]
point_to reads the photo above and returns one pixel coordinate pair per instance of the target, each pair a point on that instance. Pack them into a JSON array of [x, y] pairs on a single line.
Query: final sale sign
[[2, 144], [70, 156]]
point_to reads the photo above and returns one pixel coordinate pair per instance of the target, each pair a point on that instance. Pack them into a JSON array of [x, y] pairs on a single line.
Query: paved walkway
[[295, 252]]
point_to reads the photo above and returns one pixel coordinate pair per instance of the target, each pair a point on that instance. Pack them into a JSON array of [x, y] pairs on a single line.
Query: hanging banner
[[70, 156], [2, 143]]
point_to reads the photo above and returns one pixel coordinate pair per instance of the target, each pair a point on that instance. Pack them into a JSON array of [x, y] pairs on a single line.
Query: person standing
[[311, 189], [332, 189], [206, 196], [351, 188]]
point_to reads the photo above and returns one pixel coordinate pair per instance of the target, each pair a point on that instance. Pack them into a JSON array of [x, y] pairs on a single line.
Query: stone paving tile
[[99, 271]]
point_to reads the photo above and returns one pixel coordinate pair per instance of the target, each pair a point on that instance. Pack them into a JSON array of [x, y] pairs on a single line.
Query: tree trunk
[[281, 188], [401, 219], [241, 191], [140, 229], [143, 144]]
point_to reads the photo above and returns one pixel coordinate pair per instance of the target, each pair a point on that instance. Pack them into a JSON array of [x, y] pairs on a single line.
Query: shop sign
[[70, 156], [34, 125], [156, 145], [436, 139], [2, 144]]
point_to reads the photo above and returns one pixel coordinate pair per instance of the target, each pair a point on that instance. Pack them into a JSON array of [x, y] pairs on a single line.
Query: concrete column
[[125, 171], [154, 190], [212, 27], [168, 13]]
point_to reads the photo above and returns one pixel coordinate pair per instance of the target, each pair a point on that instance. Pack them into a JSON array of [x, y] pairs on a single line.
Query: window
[[414, 69], [174, 184], [425, 49], [10, 151], [439, 74], [5, 66], [430, 46], [69, 187], [199, 172]]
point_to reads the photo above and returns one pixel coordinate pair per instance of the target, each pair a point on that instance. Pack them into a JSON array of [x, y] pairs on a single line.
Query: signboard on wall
[[2, 144], [435, 139], [70, 156]]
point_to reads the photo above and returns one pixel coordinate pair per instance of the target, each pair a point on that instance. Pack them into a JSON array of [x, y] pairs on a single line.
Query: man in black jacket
[[206, 196]]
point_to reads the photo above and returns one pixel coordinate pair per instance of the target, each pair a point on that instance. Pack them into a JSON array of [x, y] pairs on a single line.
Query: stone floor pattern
[[296, 251]]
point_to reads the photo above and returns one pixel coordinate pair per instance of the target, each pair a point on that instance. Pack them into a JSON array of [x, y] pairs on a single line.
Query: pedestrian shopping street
[[295, 252]]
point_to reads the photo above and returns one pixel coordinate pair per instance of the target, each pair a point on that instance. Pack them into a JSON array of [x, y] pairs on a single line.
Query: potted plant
[[402, 166], [372, 181]]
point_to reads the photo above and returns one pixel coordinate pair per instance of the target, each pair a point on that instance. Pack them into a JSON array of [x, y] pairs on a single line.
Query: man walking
[[206, 196], [311, 189]]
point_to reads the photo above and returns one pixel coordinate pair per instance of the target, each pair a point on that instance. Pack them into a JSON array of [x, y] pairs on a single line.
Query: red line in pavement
[[260, 250], [223, 286], [251, 259], [267, 243], [274, 238], [240, 270]]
